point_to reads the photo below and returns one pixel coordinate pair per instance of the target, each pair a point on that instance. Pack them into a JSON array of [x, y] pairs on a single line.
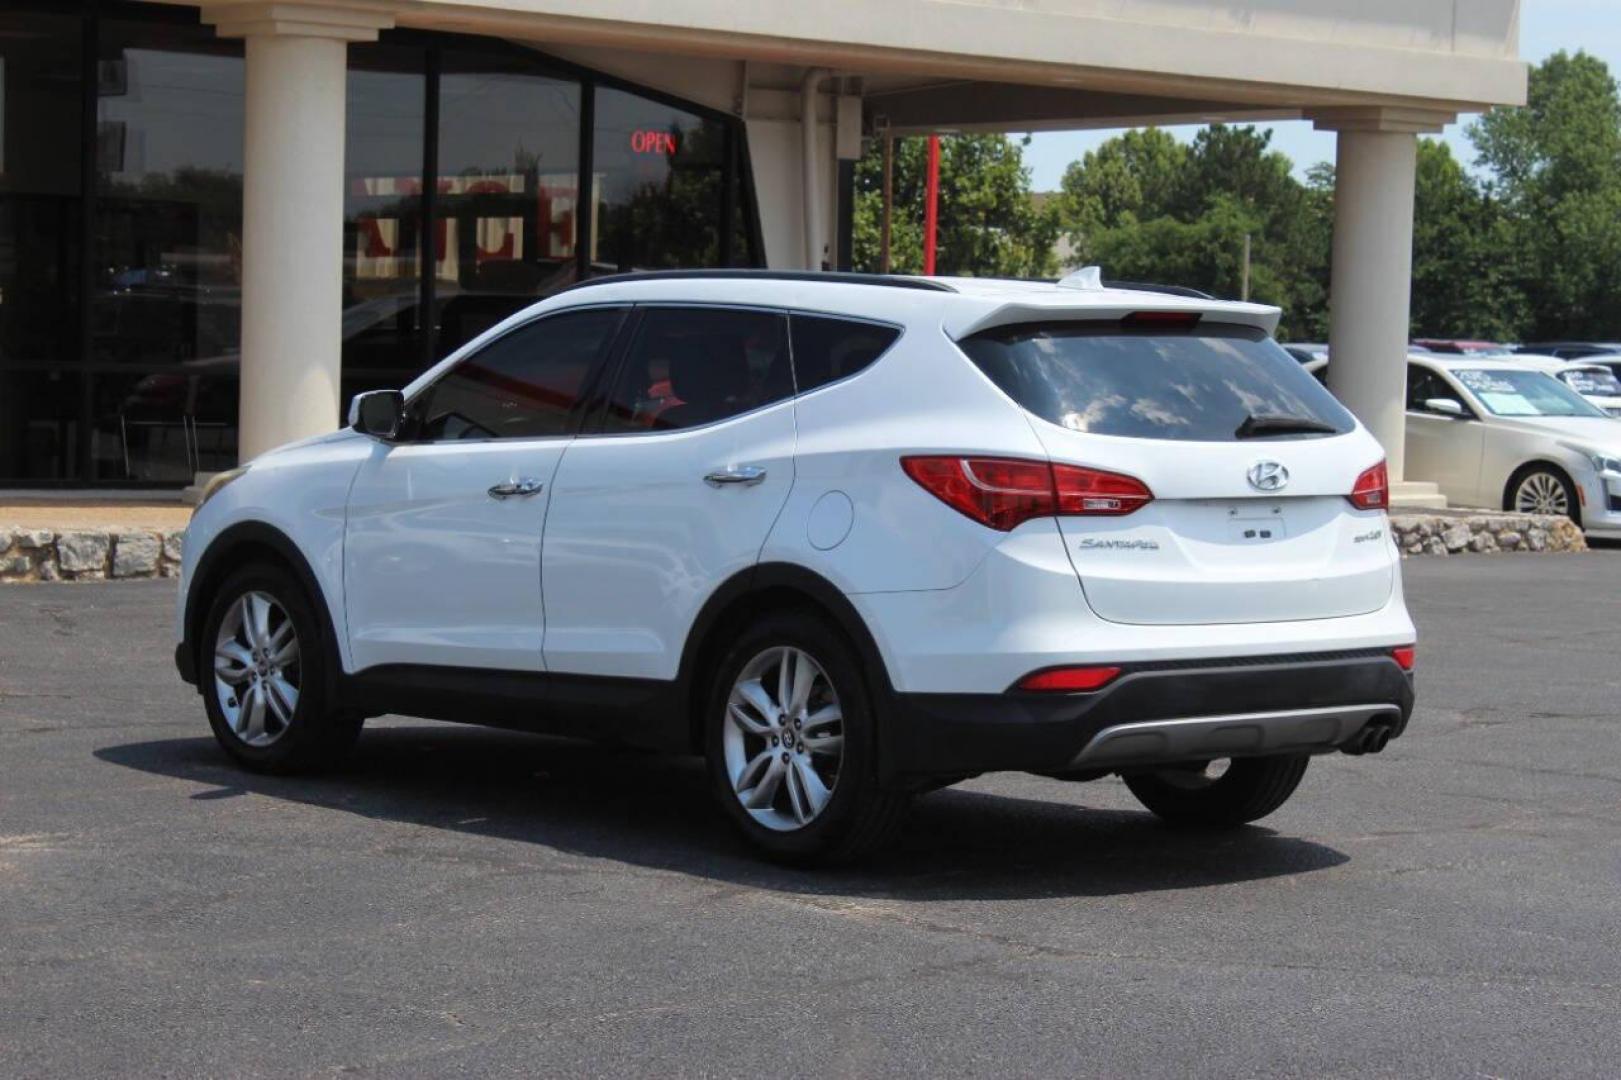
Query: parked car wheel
[[1543, 489], [791, 740], [1229, 793], [264, 676]]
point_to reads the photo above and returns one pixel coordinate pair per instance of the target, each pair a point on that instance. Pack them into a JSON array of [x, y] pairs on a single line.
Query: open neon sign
[[648, 141]]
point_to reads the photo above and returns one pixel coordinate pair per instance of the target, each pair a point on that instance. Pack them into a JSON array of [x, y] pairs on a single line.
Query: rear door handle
[[747, 475], [520, 488]]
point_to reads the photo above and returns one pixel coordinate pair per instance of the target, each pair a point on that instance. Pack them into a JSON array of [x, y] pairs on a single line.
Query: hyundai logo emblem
[[1268, 476]]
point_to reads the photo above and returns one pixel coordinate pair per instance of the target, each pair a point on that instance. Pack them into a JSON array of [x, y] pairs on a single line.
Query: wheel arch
[[745, 596], [237, 546]]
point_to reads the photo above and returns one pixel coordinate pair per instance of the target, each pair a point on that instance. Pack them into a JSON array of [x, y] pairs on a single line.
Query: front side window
[[524, 385], [826, 350], [1524, 393], [1208, 383], [1424, 385], [692, 366]]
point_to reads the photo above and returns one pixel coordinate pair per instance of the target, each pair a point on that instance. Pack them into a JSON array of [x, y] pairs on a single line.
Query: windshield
[[1599, 382], [1524, 393], [1201, 384]]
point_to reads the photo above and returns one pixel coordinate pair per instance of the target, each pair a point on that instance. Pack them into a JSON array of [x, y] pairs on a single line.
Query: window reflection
[[508, 191], [167, 252], [657, 185], [383, 321]]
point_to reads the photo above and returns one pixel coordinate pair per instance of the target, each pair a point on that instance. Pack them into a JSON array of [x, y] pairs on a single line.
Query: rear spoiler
[[965, 320]]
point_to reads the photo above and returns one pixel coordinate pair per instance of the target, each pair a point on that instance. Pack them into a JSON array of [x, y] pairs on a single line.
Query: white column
[[1372, 283], [292, 210]]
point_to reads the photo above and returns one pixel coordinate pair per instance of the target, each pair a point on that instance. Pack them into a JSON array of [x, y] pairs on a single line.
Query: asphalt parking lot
[[468, 902]]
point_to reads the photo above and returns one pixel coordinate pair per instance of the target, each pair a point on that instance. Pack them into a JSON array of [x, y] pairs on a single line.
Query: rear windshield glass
[[1599, 382], [1201, 384]]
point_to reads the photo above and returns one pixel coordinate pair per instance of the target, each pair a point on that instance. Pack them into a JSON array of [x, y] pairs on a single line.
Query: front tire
[[263, 670], [791, 740], [1543, 489], [1249, 789]]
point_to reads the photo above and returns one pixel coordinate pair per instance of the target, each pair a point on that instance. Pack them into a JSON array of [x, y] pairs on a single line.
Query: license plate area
[[1256, 525]]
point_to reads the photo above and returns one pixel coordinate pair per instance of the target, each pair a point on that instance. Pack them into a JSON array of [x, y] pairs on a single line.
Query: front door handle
[[747, 475], [520, 488]]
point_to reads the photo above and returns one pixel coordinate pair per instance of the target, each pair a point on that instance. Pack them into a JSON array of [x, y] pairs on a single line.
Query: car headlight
[[1606, 464], [217, 483]]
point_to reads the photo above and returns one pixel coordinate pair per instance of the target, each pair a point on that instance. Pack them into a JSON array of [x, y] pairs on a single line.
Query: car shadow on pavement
[[656, 811]]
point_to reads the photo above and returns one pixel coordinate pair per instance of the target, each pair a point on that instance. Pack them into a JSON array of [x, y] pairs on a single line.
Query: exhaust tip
[[1374, 737]]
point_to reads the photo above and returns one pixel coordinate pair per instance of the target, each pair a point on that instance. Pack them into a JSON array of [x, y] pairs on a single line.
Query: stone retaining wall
[[87, 554], [125, 553], [1483, 533]]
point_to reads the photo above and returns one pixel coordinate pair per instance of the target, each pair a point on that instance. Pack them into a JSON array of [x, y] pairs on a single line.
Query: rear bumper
[[1154, 713]]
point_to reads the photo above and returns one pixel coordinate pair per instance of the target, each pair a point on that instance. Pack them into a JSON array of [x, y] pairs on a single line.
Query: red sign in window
[[653, 142]]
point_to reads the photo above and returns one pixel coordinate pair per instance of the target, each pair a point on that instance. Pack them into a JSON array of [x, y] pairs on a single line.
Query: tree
[[1465, 276], [1145, 207], [988, 224], [1556, 173], [1139, 173]]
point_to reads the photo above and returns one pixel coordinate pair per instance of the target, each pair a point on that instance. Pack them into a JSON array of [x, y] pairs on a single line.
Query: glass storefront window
[[507, 199], [40, 214], [167, 251], [120, 305], [383, 321], [657, 184]]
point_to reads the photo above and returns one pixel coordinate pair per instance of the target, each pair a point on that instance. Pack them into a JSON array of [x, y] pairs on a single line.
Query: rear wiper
[[1256, 426]]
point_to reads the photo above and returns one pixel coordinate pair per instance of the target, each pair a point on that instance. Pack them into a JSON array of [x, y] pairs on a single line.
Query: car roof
[[961, 305]]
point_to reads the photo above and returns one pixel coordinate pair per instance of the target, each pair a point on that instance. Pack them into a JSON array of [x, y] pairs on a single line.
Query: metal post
[[931, 206], [1246, 291], [889, 202]]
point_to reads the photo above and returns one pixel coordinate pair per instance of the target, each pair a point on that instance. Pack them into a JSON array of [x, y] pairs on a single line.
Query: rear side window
[[1201, 384], [826, 350], [687, 367]]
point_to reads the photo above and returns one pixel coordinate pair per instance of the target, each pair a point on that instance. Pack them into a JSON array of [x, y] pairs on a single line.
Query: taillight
[[998, 492], [1405, 656], [1372, 489], [1068, 680], [1091, 491], [1002, 493]]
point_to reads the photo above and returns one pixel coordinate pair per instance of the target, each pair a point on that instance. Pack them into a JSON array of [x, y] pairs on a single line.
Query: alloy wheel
[[783, 737], [1541, 493], [256, 669]]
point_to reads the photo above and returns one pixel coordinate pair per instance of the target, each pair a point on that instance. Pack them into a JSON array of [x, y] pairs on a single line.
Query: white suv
[[848, 537]]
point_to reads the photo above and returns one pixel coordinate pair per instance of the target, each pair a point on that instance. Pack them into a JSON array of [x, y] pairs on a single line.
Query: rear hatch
[[1249, 460]]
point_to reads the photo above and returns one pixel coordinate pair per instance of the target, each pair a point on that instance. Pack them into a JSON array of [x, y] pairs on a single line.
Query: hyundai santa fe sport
[[848, 538]]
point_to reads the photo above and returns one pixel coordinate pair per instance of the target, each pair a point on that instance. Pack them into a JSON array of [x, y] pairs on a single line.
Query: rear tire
[[263, 667], [1249, 790], [792, 757]]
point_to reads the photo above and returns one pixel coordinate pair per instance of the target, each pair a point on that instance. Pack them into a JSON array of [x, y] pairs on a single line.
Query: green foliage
[[1530, 247], [1556, 178], [988, 224]]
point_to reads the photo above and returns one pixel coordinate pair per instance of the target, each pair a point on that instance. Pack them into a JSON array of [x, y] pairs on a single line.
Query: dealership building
[[220, 219]]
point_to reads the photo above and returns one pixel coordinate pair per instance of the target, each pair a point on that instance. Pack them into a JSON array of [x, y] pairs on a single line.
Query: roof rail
[[824, 277]]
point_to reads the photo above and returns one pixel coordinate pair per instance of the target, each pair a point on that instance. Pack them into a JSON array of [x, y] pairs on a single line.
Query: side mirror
[[378, 413], [1445, 407]]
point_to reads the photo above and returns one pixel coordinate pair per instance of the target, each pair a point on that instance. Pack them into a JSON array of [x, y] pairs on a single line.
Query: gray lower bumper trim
[[1296, 731]]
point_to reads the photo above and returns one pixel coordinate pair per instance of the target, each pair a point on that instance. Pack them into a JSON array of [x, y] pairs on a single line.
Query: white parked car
[[1496, 433], [1591, 378], [849, 538]]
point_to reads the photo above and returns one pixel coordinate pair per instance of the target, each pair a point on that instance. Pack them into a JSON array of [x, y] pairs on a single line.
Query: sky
[[1546, 26]]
